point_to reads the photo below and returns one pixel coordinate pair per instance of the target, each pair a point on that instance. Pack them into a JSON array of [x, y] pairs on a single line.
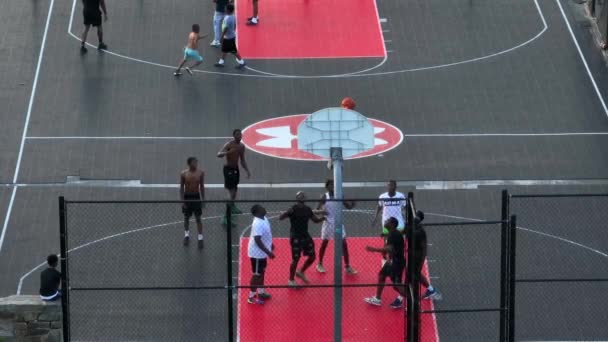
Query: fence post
[[413, 303], [336, 159], [229, 284], [504, 265], [512, 262], [65, 279]]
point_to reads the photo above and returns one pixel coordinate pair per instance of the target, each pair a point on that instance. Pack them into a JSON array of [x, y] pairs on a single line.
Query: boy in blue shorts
[[191, 51]]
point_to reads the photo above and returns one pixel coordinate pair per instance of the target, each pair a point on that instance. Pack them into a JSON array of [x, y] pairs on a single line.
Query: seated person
[[50, 279]]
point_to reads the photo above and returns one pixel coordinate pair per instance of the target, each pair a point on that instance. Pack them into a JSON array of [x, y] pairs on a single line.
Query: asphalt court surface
[[455, 72], [541, 87]]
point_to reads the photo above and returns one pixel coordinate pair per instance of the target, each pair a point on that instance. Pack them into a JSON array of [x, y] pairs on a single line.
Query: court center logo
[[278, 137]]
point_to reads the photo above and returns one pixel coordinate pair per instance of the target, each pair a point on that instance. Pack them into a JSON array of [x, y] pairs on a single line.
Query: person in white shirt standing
[[260, 248], [329, 207], [392, 204]]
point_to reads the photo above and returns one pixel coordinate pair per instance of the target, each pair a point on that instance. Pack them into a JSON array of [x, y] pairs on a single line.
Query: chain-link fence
[[561, 267], [131, 275], [538, 275]]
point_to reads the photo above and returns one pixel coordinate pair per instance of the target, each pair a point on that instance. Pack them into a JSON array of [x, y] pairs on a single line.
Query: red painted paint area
[[307, 314], [310, 29], [277, 137]]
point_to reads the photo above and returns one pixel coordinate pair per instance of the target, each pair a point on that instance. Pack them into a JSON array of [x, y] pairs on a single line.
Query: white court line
[[422, 135], [420, 185], [580, 53], [354, 74], [27, 123], [124, 138], [22, 279], [574, 243], [20, 285]]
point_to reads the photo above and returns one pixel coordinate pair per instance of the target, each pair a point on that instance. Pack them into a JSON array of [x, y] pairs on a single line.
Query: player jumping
[[300, 240], [331, 207]]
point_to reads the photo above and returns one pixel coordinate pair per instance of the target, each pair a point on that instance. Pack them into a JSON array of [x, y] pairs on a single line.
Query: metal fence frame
[[508, 234], [513, 233]]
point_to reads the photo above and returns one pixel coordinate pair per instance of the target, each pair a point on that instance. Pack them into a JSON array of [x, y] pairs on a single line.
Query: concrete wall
[[29, 319]]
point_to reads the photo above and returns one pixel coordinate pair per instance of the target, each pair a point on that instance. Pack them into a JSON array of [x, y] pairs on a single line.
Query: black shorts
[[229, 45], [302, 245], [258, 266], [92, 18], [393, 270], [231, 177], [190, 208]]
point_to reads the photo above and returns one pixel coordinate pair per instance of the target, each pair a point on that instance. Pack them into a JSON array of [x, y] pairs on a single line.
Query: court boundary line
[[133, 59], [26, 125], [582, 56], [416, 135], [418, 184]]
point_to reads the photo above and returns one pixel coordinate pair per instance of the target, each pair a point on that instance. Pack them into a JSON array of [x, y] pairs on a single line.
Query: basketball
[[348, 103]]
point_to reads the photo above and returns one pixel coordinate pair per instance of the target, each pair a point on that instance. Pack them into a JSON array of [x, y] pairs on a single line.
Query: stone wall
[[29, 319]]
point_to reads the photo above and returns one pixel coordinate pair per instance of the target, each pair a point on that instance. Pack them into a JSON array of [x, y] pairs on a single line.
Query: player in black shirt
[[420, 244], [92, 16], [300, 240], [50, 279], [395, 248]]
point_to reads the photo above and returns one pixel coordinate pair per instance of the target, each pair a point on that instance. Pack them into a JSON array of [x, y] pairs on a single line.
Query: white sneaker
[[321, 269], [292, 283], [373, 301], [350, 270], [303, 277], [215, 43]]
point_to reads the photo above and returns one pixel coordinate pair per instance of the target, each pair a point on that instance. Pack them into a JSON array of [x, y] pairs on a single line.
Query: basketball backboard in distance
[[335, 127]]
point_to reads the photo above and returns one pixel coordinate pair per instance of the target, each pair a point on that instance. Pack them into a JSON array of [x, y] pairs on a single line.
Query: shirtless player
[[192, 190], [234, 151], [191, 51]]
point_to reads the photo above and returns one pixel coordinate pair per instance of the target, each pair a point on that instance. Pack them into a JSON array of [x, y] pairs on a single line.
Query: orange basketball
[[348, 103]]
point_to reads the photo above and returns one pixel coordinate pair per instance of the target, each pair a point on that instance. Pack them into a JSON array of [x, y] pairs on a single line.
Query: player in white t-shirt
[[259, 249], [329, 209], [392, 204]]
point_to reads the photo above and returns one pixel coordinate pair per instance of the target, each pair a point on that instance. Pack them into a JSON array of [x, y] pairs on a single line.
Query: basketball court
[[466, 98]]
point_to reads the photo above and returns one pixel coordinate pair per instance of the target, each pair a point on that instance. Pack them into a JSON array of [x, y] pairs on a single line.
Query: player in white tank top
[[330, 209]]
